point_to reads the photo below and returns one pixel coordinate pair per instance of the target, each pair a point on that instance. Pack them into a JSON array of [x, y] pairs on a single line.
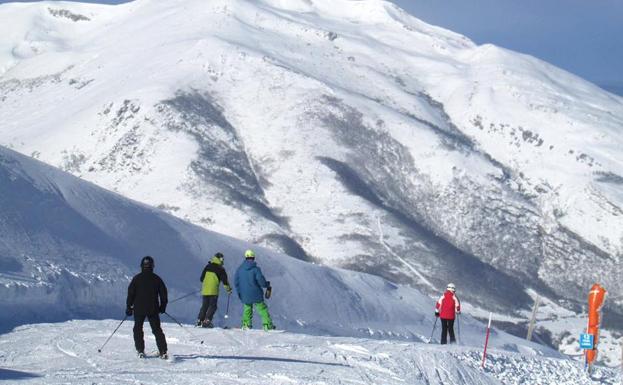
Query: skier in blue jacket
[[249, 282]]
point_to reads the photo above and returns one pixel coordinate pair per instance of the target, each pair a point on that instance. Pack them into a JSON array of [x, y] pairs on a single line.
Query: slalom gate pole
[[113, 333], [433, 331], [182, 326], [484, 354], [184, 296], [227, 310]]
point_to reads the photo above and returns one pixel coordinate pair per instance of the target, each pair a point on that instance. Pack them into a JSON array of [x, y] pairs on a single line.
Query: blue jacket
[[249, 282]]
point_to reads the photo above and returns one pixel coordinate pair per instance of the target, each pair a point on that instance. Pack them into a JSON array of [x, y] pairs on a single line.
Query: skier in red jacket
[[447, 307]]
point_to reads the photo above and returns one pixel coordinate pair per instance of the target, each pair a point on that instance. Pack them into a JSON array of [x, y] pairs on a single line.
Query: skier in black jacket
[[143, 293]]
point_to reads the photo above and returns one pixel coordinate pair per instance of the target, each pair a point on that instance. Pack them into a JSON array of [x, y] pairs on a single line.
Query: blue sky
[[582, 36]]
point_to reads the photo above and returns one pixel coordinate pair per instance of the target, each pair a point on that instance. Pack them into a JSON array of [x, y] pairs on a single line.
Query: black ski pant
[[447, 327], [154, 322], [208, 307]]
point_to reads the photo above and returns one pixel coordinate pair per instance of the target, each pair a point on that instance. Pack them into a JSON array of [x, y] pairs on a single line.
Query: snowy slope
[[69, 249], [66, 353], [345, 132]]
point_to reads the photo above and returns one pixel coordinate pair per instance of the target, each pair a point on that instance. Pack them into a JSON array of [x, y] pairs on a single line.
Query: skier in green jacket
[[213, 274]]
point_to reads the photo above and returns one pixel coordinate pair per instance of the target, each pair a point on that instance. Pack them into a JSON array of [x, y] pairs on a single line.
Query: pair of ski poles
[[121, 323], [170, 316]]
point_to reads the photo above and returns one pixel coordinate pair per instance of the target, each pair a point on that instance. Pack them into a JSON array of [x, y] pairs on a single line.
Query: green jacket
[[212, 275]]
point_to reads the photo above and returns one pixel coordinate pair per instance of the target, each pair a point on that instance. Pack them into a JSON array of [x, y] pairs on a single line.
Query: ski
[[166, 356], [263, 330]]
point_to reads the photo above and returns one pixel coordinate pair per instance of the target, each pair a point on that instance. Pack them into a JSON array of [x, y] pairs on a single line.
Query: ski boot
[[164, 355], [207, 324], [140, 354], [199, 322]]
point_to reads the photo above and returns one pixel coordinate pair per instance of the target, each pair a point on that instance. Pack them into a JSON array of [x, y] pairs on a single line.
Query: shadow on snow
[[256, 358], [8, 374]]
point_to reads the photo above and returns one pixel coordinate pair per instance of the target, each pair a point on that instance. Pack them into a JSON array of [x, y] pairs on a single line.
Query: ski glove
[[228, 289], [269, 292], [129, 311], [437, 314], [163, 309]]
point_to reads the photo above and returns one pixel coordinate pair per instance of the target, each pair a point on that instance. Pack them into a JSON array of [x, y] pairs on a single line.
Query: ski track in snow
[[65, 353]]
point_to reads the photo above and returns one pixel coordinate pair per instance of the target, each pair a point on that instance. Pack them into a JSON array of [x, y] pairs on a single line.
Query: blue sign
[[586, 341]]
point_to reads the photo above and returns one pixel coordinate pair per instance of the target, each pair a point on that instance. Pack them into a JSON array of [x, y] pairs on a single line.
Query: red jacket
[[448, 305]]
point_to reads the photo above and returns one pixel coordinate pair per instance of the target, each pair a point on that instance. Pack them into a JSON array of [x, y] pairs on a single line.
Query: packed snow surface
[[67, 353]]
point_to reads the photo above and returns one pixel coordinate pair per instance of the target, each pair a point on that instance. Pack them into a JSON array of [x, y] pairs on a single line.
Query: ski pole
[[113, 333], [433, 331], [182, 326], [184, 296], [458, 320], [227, 310], [458, 325]]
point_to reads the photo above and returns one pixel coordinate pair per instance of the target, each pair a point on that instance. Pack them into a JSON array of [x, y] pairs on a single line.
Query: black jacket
[[143, 293]]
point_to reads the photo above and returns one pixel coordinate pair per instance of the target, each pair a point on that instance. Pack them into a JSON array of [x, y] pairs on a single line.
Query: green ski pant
[[262, 309]]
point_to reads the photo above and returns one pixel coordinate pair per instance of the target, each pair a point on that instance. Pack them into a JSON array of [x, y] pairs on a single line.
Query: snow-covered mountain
[[342, 132]]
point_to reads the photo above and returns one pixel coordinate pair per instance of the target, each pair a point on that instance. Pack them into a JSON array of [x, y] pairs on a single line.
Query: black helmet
[[219, 255], [147, 263]]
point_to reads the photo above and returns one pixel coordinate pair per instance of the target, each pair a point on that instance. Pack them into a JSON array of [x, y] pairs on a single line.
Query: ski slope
[[67, 353]]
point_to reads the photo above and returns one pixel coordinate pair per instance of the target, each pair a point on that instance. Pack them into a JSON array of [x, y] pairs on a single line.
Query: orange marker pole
[[596, 298]]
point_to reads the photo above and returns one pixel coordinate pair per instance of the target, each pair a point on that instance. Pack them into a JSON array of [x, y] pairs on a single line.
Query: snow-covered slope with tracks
[[66, 353]]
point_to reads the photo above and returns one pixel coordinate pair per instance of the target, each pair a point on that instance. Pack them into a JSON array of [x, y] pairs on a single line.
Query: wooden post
[[533, 318]]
